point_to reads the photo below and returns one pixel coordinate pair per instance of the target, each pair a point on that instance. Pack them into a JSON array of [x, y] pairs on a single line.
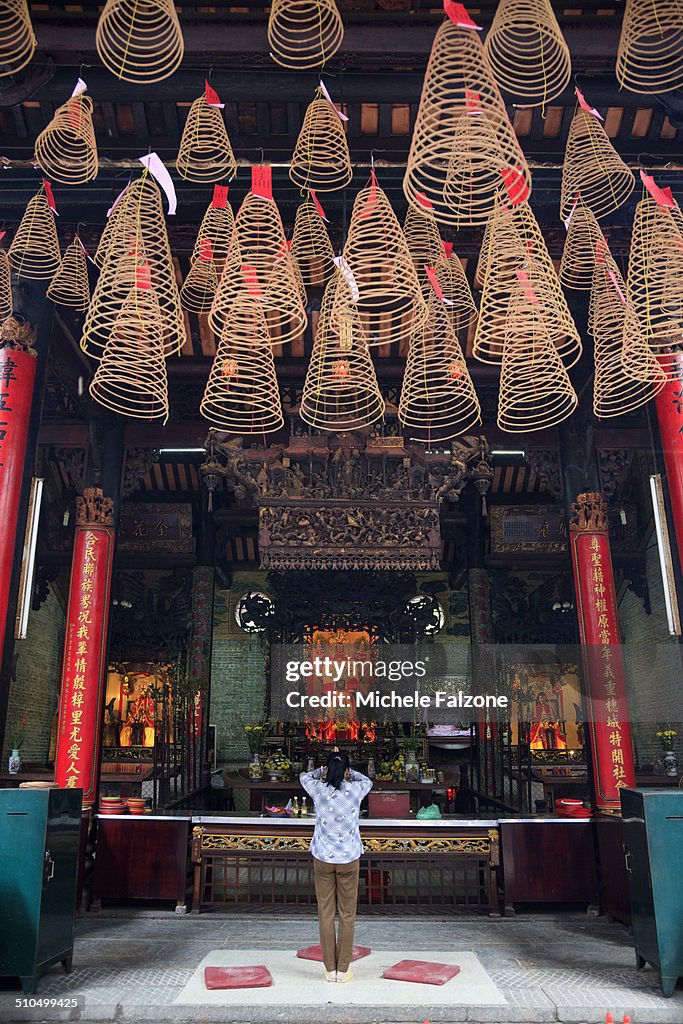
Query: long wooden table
[[259, 788]]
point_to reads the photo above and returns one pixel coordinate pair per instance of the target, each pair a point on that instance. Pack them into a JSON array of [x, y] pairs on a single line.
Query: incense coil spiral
[[70, 285], [457, 83], [650, 54], [17, 39], [136, 225], [390, 302], [140, 41], [438, 400], [340, 390], [131, 378], [593, 169], [298, 277], [453, 282], [535, 389], [421, 233], [655, 275], [205, 153], [627, 374], [304, 33], [34, 252], [217, 226], [321, 159], [6, 303], [311, 246], [259, 263], [199, 287], [242, 394], [473, 178], [66, 150], [580, 247], [528, 55]]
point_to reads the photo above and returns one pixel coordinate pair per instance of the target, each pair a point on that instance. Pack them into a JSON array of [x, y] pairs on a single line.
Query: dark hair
[[337, 764]]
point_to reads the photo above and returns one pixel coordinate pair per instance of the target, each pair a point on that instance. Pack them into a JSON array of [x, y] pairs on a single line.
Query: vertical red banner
[[17, 377], [606, 707], [85, 646], [669, 405]]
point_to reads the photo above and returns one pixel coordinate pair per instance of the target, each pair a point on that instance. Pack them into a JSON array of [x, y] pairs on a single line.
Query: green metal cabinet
[[39, 843], [653, 845]]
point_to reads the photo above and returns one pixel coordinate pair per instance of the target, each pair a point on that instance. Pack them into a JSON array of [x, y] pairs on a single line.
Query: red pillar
[[607, 721], [85, 646], [669, 405], [17, 376]]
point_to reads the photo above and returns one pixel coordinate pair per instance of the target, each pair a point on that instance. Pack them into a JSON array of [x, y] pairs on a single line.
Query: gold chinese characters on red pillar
[[85, 645], [605, 699]]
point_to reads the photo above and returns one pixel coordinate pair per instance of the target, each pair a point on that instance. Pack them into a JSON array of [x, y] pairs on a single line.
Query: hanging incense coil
[[34, 252], [70, 285], [340, 390], [458, 84], [650, 54], [217, 226], [17, 39], [205, 153], [321, 159], [304, 33], [311, 246], [438, 400], [242, 394], [453, 282], [66, 150], [535, 389], [200, 285], [260, 264], [298, 277], [593, 169], [136, 225], [131, 378], [626, 374], [527, 52], [578, 256], [473, 176], [390, 301], [6, 304], [140, 41], [422, 237]]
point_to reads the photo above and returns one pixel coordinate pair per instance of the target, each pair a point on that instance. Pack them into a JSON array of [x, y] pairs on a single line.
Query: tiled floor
[[130, 966]]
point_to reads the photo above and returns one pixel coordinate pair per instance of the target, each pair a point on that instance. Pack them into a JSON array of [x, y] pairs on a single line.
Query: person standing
[[336, 847]]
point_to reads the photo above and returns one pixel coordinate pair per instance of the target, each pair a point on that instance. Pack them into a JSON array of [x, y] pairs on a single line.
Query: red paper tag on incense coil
[[423, 200], [434, 281], [459, 16], [662, 196], [525, 284], [601, 250], [2, 235], [75, 113], [447, 248], [371, 200], [472, 101], [319, 206], [143, 277], [613, 278], [262, 181], [515, 184], [220, 197], [211, 96], [48, 195], [205, 250], [251, 280], [583, 103]]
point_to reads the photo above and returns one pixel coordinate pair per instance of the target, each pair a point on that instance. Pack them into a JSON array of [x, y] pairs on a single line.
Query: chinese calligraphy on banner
[[606, 705]]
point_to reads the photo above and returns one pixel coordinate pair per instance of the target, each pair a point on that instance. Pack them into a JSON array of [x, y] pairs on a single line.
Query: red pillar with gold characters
[[85, 645], [669, 405], [606, 707], [17, 378]]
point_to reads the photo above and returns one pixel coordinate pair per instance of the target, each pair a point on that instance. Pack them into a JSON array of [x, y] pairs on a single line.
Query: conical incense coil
[[17, 40], [140, 40], [66, 150], [578, 256], [298, 277], [438, 400], [655, 275], [217, 226], [535, 389], [650, 54], [304, 33], [458, 80], [422, 237], [593, 169], [200, 285], [131, 377], [626, 374], [205, 153], [527, 52], [70, 285], [340, 390], [137, 223], [453, 282], [34, 252], [377, 259], [5, 287], [311, 246], [242, 394], [259, 264], [321, 159]]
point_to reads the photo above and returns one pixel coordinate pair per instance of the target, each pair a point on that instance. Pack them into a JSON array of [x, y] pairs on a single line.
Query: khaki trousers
[[336, 889]]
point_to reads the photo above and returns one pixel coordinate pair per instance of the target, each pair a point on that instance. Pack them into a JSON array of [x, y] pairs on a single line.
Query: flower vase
[[255, 767], [670, 763], [14, 763]]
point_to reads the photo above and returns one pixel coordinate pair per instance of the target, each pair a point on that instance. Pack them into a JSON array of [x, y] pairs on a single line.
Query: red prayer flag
[[319, 206], [662, 196], [459, 16], [583, 103], [220, 197], [262, 181], [515, 184], [48, 194], [211, 96]]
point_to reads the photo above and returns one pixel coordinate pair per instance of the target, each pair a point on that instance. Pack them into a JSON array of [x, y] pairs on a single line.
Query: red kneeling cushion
[[422, 971], [237, 977]]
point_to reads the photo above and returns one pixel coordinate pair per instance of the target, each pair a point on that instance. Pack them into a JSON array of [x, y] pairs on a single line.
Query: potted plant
[[667, 738], [16, 741]]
